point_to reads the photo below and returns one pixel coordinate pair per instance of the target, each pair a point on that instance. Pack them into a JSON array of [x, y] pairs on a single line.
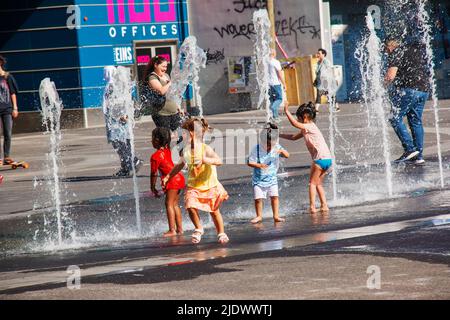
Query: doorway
[[145, 50]]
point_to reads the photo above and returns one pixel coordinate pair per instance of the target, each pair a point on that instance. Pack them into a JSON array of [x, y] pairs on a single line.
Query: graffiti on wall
[[215, 57], [285, 26]]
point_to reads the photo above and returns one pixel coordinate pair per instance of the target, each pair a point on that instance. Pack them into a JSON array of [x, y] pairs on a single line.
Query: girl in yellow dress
[[204, 191]]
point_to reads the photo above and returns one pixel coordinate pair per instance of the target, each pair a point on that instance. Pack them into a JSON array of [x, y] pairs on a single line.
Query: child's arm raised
[[176, 169], [211, 158], [292, 137], [291, 118]]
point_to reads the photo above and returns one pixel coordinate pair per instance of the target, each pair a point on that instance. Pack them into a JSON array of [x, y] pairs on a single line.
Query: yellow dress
[[204, 191]]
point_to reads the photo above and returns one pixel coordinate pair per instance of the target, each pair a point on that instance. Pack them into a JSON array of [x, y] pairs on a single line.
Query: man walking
[[276, 81], [323, 65], [408, 77]]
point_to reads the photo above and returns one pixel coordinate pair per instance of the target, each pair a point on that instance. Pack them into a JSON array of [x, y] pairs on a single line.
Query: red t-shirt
[[161, 161]]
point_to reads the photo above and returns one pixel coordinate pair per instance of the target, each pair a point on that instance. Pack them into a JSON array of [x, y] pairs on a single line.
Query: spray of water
[[51, 107], [425, 30], [328, 83], [120, 103], [186, 71], [262, 52], [374, 94]]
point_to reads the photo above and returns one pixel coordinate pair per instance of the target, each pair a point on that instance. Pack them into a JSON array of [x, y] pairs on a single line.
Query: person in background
[[277, 84], [408, 80], [8, 109], [323, 65], [117, 127], [170, 116]]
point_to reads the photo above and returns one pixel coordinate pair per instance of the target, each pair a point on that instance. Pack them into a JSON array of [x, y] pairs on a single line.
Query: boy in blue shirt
[[264, 159]]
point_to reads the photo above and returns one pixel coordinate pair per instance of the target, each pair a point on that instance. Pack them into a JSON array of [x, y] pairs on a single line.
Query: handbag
[[151, 99]]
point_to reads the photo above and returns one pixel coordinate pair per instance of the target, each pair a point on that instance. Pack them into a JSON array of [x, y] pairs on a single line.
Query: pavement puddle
[[28, 278]]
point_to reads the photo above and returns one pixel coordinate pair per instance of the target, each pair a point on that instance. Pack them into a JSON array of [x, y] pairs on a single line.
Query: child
[[161, 161], [117, 131], [318, 149], [264, 159], [204, 191]]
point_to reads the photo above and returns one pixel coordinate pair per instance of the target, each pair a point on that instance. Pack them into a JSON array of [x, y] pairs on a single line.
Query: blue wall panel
[[26, 4], [97, 38], [30, 60], [37, 39], [31, 102], [36, 18], [92, 44]]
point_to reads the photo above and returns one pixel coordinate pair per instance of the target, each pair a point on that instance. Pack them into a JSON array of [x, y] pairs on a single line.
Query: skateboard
[[17, 164]]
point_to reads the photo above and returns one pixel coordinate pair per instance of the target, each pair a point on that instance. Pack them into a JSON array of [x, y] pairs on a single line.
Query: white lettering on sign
[[112, 32], [143, 31], [123, 55], [74, 20]]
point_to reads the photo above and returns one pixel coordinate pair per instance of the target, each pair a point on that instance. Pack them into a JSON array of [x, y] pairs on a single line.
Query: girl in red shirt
[[161, 161]]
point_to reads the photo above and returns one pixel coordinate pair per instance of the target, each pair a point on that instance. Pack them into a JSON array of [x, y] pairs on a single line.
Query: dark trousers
[[123, 149], [321, 93], [172, 122], [7, 124]]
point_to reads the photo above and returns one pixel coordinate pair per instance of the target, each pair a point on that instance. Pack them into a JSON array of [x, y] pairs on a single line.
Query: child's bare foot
[[278, 219], [312, 210], [170, 233], [180, 232], [256, 220], [324, 209]]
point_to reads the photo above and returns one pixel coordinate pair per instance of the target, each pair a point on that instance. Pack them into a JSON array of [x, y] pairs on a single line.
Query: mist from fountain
[[186, 70], [262, 49]]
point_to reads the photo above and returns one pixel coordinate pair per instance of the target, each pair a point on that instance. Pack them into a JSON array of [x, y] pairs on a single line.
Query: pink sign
[[135, 16], [165, 56], [143, 59]]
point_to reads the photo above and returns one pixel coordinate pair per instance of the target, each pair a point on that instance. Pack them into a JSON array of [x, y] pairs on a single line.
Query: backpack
[[151, 99]]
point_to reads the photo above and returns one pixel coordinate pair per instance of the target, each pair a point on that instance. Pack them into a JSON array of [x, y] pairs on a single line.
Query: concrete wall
[[225, 29]]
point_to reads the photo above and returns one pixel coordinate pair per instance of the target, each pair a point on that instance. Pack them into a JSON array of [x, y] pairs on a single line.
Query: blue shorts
[[325, 164]]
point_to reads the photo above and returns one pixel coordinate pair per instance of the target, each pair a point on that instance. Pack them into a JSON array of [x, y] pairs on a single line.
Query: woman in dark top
[[8, 109], [158, 79]]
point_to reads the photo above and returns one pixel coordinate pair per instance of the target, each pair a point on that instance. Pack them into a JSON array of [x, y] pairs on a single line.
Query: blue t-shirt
[[265, 177]]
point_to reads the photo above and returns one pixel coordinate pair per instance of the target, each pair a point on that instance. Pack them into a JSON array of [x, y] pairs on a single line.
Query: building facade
[[347, 28], [71, 41]]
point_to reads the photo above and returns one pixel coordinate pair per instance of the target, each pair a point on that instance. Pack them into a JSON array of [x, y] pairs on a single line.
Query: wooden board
[[299, 81]]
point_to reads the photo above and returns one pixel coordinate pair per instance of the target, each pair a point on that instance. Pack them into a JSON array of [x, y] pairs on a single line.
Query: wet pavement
[[308, 256]]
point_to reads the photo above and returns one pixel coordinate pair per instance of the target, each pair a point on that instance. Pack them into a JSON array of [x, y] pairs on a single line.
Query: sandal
[[222, 238], [197, 235]]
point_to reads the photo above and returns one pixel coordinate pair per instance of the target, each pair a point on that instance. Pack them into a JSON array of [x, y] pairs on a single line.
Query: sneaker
[[138, 165], [121, 173], [337, 109], [419, 160], [7, 161], [407, 156]]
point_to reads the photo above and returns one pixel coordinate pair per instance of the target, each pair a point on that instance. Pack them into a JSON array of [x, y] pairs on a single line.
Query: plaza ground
[[308, 257]]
